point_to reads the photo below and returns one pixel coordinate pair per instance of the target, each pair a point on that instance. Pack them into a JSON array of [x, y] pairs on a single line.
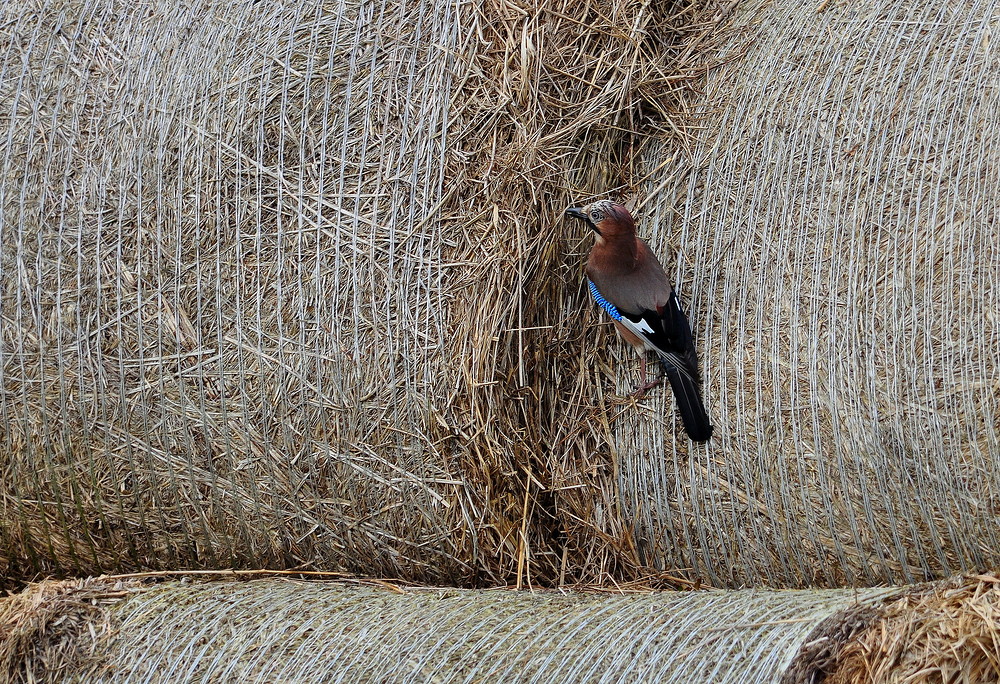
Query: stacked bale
[[285, 285], [194, 256], [279, 630], [945, 632]]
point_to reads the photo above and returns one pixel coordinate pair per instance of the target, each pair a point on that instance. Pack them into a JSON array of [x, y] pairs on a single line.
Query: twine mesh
[[290, 286], [121, 628], [192, 295]]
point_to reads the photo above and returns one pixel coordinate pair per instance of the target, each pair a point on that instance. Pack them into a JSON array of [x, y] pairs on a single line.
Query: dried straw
[[947, 633], [51, 630], [835, 216], [278, 283], [287, 285]]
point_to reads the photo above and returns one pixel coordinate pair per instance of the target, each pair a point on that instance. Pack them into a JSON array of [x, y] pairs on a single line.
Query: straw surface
[[113, 629], [198, 282], [835, 216], [289, 286], [51, 630]]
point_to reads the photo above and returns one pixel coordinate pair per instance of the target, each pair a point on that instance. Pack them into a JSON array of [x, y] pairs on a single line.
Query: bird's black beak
[[579, 213]]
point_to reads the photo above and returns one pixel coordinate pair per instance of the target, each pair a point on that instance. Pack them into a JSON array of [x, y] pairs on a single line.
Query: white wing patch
[[671, 358], [640, 329], [643, 326]]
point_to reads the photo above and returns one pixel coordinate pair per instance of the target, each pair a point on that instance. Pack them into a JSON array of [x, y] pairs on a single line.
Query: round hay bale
[[270, 278], [834, 214], [49, 631], [280, 630], [224, 314]]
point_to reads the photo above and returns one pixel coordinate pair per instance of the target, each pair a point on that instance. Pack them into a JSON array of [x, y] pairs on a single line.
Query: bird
[[628, 282]]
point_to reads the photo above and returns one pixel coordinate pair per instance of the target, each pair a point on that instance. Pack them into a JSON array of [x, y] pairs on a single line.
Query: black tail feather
[[690, 404]]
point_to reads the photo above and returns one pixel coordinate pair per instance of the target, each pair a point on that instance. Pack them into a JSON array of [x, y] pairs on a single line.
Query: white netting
[[278, 279]]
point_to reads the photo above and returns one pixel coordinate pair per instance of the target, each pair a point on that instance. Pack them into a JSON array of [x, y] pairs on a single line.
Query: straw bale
[[833, 220], [272, 630], [820, 654], [272, 277], [287, 285]]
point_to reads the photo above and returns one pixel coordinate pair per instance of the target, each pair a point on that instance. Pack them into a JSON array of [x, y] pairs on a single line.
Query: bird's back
[[633, 284]]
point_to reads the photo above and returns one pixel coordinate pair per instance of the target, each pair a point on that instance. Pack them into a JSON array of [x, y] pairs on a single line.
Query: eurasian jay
[[629, 283]]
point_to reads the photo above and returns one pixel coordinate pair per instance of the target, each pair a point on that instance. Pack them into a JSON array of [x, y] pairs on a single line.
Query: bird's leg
[[644, 384]]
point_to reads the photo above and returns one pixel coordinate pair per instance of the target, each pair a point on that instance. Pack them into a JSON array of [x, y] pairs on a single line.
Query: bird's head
[[608, 219]]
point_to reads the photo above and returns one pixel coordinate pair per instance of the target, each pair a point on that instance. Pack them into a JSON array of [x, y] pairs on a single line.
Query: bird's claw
[[641, 390]]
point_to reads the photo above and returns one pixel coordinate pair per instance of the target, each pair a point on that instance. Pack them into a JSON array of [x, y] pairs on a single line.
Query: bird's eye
[[597, 216]]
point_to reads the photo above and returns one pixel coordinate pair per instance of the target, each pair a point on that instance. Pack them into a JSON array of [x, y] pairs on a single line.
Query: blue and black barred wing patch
[[604, 303]]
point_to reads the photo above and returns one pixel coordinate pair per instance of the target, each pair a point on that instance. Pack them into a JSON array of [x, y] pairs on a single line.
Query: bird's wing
[[668, 331], [604, 303]]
